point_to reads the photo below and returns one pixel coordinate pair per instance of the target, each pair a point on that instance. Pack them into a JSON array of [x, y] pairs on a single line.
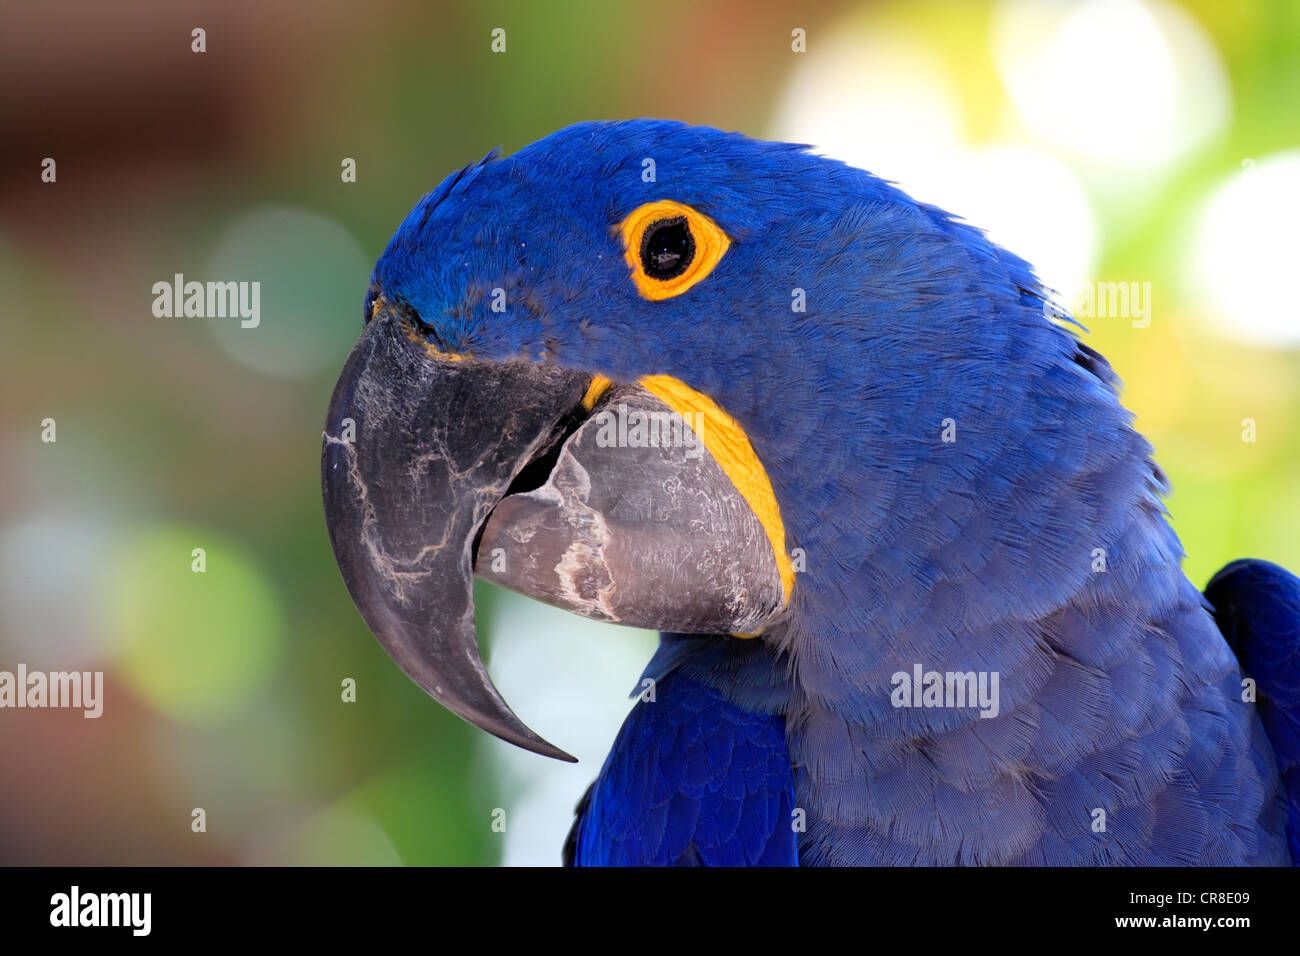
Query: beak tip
[[521, 736]]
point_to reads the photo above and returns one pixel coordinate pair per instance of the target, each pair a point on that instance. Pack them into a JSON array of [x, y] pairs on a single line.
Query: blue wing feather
[[1257, 607], [692, 780]]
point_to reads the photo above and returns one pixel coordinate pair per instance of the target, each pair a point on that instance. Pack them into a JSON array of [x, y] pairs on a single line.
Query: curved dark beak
[[418, 449], [431, 463]]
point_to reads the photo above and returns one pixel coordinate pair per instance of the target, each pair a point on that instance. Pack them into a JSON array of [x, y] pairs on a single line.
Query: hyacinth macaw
[[918, 596]]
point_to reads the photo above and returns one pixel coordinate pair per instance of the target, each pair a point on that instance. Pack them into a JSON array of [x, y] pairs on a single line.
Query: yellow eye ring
[[669, 247]]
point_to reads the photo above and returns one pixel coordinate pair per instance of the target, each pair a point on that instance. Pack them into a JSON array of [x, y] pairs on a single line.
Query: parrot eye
[[669, 247]]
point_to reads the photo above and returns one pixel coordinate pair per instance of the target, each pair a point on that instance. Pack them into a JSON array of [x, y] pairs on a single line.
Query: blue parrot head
[[862, 369], [525, 257]]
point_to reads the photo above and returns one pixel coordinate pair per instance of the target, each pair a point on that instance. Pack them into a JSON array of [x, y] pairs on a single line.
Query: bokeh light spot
[[43, 560], [1243, 261], [196, 646], [1132, 84], [876, 99], [313, 278]]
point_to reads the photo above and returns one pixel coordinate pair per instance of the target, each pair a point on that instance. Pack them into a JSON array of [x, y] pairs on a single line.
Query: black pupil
[[667, 248]]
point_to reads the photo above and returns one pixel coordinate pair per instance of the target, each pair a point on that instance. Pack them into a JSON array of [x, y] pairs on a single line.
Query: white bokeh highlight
[[1133, 84], [44, 558], [877, 99], [1242, 264]]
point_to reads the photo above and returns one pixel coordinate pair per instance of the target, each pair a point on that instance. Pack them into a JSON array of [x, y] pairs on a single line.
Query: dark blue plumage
[[1257, 606], [1034, 545], [692, 780]]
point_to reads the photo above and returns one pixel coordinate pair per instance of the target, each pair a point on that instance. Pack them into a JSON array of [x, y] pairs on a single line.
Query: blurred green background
[[1111, 141]]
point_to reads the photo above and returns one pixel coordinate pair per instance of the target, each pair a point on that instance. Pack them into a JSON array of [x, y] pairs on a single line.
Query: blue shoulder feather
[[1257, 607], [692, 780]]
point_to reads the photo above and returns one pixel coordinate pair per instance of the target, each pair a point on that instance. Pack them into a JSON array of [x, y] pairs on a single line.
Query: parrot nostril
[[417, 329]]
